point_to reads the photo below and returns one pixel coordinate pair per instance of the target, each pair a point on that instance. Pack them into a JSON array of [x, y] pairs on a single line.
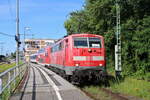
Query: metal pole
[[24, 51], [17, 32], [118, 46], [24, 38], [25, 28]]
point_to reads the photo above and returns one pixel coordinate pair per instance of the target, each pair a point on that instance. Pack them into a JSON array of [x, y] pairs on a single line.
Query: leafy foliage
[[99, 17]]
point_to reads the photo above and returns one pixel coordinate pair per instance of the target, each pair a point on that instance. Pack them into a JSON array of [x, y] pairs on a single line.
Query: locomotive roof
[[85, 34]]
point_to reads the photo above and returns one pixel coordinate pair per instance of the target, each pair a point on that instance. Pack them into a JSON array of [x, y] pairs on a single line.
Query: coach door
[[65, 52]]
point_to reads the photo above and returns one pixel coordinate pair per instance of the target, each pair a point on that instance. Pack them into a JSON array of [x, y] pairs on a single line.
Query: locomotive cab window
[[80, 42], [87, 42], [94, 43]]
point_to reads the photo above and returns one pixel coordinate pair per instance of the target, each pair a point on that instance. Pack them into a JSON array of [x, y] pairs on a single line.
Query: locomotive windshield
[[87, 42], [94, 43], [80, 42]]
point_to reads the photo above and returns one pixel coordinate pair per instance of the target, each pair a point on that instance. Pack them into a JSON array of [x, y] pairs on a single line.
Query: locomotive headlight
[[89, 50], [100, 65], [76, 64]]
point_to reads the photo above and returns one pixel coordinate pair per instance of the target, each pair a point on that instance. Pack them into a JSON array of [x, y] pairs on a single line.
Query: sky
[[44, 17]]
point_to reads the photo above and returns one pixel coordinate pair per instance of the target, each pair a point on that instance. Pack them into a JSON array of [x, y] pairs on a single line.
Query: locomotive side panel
[[68, 52], [59, 54]]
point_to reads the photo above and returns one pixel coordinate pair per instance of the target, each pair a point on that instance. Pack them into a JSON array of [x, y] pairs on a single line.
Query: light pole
[[25, 29]]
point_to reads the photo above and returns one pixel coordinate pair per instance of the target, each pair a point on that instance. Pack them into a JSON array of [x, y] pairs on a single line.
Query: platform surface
[[43, 84]]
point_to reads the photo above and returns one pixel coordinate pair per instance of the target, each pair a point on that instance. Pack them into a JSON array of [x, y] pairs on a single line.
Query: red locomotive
[[78, 56]]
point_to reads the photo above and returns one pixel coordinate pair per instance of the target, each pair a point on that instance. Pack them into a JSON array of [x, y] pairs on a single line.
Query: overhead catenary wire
[[1, 33]]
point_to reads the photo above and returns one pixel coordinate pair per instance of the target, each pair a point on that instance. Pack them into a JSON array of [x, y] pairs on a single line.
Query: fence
[[9, 80]]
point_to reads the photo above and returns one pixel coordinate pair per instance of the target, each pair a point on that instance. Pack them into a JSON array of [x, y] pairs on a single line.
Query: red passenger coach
[[47, 55], [33, 58], [79, 55]]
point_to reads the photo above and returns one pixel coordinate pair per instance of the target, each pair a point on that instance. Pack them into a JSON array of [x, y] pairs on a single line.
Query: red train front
[[79, 56]]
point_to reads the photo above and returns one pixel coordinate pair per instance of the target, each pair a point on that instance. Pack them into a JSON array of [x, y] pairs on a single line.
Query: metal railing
[[10, 76]]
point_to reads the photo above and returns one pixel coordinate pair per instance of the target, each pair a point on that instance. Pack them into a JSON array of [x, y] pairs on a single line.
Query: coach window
[[80, 42], [60, 46], [66, 40], [94, 42], [66, 43], [52, 49], [46, 53], [57, 47]]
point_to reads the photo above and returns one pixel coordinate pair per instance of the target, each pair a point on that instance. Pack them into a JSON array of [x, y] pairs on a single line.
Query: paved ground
[[43, 84]]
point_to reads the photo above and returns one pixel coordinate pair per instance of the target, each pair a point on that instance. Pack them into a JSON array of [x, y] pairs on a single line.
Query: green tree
[[99, 17]]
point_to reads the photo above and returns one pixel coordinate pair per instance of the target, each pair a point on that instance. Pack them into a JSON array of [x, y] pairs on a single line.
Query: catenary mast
[[118, 35]]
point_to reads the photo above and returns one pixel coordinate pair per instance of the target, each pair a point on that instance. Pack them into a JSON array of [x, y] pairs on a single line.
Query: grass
[[129, 87], [4, 67], [97, 93], [7, 93], [134, 87]]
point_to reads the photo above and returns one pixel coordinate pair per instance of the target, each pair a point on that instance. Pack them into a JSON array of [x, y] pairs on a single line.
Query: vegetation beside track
[[8, 91], [129, 87], [96, 93], [4, 67], [134, 87]]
